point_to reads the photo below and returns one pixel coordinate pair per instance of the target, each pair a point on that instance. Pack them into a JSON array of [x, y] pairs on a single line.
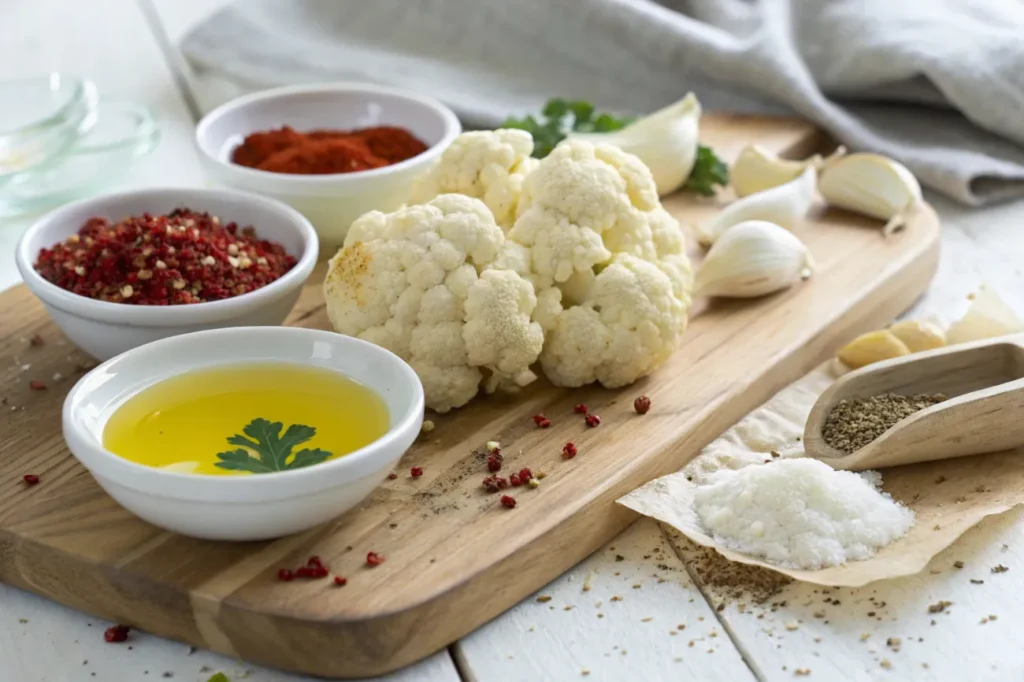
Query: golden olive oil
[[245, 419]]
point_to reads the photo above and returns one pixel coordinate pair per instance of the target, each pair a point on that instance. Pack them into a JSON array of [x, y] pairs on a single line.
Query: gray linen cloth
[[937, 84]]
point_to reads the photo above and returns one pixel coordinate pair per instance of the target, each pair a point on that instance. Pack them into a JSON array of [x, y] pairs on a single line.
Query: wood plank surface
[[450, 547]]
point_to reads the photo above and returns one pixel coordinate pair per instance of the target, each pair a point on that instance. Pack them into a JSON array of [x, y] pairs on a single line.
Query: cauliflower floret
[[629, 324], [582, 204], [421, 282], [487, 164]]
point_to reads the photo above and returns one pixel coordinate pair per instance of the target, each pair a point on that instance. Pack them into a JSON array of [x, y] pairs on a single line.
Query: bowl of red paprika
[[332, 151], [121, 270]]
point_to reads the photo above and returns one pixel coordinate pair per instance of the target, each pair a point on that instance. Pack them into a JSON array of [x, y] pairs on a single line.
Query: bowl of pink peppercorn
[[121, 270]]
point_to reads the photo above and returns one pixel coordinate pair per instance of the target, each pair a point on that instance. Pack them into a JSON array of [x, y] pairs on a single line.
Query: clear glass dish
[[59, 140]]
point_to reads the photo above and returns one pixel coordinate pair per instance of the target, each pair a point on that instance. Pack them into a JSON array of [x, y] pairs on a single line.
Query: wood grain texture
[[451, 548], [985, 389]]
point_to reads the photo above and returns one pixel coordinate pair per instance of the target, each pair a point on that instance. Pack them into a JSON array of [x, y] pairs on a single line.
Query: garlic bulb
[[919, 335], [873, 185], [666, 141], [870, 348], [757, 169], [753, 258], [783, 205]]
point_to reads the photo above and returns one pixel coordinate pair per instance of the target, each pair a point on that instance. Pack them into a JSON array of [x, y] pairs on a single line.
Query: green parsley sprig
[[272, 449], [559, 117]]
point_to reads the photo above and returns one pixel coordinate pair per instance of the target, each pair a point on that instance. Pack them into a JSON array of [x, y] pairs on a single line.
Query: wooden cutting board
[[455, 557]]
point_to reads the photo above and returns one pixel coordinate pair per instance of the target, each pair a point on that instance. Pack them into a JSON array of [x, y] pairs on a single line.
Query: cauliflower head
[[422, 283], [628, 325], [489, 165], [582, 204]]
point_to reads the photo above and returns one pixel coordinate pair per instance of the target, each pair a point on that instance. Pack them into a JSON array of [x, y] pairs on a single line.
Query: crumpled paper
[[947, 496]]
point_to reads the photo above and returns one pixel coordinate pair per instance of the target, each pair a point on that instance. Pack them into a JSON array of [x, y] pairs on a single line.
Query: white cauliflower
[[489, 165], [421, 282], [607, 261], [628, 325]]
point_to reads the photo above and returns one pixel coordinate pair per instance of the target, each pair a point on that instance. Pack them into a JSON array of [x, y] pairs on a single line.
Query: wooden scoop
[[984, 382]]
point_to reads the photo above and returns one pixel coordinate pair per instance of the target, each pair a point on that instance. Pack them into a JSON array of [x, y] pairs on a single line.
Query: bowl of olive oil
[[245, 433]]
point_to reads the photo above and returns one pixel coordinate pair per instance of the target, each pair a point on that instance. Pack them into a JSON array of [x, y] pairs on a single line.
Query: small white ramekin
[[244, 507], [332, 201], [103, 329]]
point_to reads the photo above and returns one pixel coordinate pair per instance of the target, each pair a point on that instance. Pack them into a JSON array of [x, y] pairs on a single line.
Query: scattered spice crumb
[[864, 636], [977, 582], [939, 607], [819, 614], [392, 476], [37, 385], [616, 598], [792, 626], [427, 426], [30, 479], [893, 642], [567, 608], [886, 663], [636, 586], [116, 634], [646, 620], [543, 599], [1000, 569], [36, 340], [958, 564], [584, 672], [802, 672], [619, 557]]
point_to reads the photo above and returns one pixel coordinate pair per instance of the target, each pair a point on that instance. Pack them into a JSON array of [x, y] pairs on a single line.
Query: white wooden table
[[583, 630]]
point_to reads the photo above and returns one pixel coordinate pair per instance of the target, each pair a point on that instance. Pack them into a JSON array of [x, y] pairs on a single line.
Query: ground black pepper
[[852, 424]]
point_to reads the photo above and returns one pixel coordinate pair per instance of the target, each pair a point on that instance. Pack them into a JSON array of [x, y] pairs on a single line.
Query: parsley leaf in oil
[[273, 450]]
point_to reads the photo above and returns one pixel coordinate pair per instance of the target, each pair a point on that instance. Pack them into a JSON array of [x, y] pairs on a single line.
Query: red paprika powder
[[321, 152]]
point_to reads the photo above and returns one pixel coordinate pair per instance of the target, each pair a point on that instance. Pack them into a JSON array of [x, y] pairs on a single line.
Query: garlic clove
[[918, 335], [757, 168], [783, 205], [873, 185], [870, 348], [666, 141], [754, 258], [988, 317]]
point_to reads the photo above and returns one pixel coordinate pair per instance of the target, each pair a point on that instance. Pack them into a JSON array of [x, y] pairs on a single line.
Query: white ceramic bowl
[[333, 201], [103, 329], [253, 507]]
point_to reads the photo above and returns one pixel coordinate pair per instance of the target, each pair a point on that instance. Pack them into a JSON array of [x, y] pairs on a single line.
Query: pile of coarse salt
[[799, 513]]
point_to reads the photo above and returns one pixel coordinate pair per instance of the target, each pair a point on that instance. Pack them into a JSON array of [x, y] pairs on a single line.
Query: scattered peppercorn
[[525, 474], [508, 501], [286, 575], [116, 634], [494, 461], [541, 421], [580, 409], [642, 404], [37, 385], [392, 476], [182, 257], [416, 472], [374, 559], [36, 340], [339, 581], [495, 483], [592, 420], [569, 450], [515, 481], [30, 479]]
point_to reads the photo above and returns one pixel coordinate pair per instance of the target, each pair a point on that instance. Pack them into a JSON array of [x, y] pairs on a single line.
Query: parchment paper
[[971, 488], [947, 496]]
